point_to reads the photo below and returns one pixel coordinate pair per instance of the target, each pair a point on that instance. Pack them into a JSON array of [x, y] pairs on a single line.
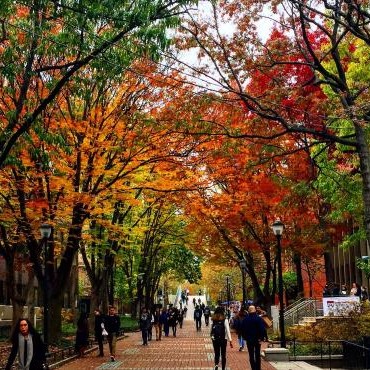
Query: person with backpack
[[198, 318], [220, 334], [254, 332], [207, 313]]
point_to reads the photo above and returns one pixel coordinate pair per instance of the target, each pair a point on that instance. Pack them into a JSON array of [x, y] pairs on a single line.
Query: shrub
[[352, 327]]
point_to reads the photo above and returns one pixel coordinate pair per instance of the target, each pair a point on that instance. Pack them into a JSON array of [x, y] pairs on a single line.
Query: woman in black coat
[[27, 343], [82, 335]]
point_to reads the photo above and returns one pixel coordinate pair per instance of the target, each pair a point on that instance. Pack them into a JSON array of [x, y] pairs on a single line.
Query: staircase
[[303, 312]]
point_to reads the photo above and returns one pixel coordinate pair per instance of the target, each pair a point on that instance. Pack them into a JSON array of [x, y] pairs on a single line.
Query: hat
[[251, 309]]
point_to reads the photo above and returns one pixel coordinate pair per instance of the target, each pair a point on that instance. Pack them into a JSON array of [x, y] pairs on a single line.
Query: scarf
[[21, 350]]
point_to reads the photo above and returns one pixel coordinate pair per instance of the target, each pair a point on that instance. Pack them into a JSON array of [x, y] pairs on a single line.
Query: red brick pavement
[[190, 350]]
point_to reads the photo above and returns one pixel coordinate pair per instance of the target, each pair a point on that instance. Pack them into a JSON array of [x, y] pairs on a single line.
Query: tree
[[85, 162], [298, 83], [233, 214], [45, 44]]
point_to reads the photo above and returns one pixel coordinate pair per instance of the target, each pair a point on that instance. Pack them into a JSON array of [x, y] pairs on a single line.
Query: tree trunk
[[55, 317], [298, 268], [364, 156]]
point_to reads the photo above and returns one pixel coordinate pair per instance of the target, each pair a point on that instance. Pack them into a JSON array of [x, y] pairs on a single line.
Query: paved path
[[189, 350]]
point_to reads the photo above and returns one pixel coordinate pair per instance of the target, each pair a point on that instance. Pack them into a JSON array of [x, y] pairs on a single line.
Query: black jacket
[[112, 324], [38, 358], [253, 328]]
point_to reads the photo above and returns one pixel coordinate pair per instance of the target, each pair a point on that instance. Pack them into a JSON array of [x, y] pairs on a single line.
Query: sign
[[340, 306]]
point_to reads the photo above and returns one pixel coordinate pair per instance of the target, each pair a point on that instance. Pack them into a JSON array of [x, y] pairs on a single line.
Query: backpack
[[206, 311], [197, 314], [218, 330]]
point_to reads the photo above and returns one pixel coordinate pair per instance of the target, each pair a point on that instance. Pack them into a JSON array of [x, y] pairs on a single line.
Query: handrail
[[305, 308], [295, 303]]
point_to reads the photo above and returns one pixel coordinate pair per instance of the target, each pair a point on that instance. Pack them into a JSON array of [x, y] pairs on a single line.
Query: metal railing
[[355, 356], [331, 354], [305, 307]]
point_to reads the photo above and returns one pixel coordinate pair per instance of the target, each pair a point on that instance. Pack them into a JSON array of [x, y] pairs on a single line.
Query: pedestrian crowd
[[248, 324], [250, 329]]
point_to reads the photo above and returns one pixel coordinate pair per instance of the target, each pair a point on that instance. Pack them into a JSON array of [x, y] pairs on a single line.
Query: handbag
[[104, 332]]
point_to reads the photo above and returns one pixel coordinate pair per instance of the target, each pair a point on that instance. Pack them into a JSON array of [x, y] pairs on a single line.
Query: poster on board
[[340, 306]]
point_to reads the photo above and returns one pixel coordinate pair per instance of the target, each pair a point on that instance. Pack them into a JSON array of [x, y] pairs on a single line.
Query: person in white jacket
[[220, 334]]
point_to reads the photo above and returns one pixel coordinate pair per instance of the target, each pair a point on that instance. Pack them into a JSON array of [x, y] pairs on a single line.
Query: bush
[[352, 328]]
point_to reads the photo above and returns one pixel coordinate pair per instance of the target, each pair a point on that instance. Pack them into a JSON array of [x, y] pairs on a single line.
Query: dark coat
[[163, 318], [145, 321], [199, 311], [173, 318], [112, 324], [38, 358], [82, 334], [253, 328]]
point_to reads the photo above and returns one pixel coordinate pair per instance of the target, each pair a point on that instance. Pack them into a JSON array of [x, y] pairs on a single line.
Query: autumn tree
[[44, 44], [303, 80], [233, 215]]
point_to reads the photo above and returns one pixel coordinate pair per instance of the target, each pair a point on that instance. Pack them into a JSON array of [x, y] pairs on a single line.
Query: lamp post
[[228, 290], [243, 265], [278, 228], [45, 231], [140, 279]]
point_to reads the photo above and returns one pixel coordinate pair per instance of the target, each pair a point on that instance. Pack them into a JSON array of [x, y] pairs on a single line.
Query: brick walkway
[[189, 350]]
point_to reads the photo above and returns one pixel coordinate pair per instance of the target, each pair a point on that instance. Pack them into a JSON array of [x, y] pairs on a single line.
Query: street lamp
[[228, 290], [45, 231], [140, 278], [278, 228], [243, 265]]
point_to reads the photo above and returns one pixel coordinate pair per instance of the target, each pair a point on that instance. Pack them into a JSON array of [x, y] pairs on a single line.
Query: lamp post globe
[[278, 228], [45, 231]]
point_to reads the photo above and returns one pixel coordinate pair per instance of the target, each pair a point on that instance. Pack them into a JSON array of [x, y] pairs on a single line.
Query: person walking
[[173, 319], [206, 313], [180, 317], [157, 323], [82, 335], [237, 325], [164, 321], [144, 324], [112, 326], [198, 318], [220, 335], [28, 345], [253, 331], [99, 326], [150, 329]]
